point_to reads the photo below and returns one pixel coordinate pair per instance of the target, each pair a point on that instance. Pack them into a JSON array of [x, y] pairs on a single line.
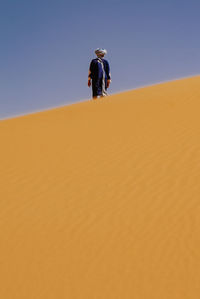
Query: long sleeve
[[91, 70], [107, 70]]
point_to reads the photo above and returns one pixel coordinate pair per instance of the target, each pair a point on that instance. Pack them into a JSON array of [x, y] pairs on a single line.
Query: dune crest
[[100, 199]]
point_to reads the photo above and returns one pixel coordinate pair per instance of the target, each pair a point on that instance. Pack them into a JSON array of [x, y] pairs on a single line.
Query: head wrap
[[100, 52]]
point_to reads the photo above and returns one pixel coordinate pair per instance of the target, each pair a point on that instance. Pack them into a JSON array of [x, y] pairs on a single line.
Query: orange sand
[[101, 199]]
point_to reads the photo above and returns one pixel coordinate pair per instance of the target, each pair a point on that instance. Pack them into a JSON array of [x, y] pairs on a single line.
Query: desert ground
[[101, 199]]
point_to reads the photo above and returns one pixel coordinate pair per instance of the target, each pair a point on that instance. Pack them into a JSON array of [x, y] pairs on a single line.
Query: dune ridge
[[100, 199]]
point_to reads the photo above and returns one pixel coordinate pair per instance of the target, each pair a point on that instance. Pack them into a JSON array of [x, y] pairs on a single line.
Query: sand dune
[[101, 199]]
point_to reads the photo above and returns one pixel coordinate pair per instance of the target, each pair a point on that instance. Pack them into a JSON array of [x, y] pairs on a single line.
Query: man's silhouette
[[99, 74]]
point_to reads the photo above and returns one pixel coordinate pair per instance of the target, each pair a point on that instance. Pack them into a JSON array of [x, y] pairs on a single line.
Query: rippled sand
[[101, 199]]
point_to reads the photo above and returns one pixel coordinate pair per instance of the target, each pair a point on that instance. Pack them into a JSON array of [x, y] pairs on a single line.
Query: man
[[99, 74]]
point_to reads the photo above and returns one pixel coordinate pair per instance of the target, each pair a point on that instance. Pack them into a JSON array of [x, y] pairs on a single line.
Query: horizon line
[[81, 101]]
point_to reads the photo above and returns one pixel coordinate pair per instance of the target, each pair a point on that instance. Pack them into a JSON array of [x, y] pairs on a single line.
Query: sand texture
[[101, 199]]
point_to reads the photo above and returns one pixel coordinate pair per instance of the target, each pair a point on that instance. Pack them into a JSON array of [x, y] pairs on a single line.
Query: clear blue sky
[[46, 47]]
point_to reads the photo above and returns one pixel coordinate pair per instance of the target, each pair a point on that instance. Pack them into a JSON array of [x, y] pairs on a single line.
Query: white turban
[[100, 52]]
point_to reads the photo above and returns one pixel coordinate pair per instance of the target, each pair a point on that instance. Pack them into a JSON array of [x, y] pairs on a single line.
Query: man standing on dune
[[99, 74]]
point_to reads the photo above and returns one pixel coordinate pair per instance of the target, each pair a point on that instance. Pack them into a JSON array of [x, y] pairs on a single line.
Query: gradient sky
[[46, 47]]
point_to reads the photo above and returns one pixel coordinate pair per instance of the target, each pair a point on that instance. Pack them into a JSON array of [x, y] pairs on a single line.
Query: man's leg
[[94, 91]]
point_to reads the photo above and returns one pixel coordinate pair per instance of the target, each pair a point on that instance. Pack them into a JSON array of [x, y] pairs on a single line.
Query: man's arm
[[108, 74], [90, 73], [89, 78]]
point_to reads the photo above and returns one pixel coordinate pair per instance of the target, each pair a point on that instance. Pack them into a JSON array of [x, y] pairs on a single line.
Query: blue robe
[[99, 72]]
